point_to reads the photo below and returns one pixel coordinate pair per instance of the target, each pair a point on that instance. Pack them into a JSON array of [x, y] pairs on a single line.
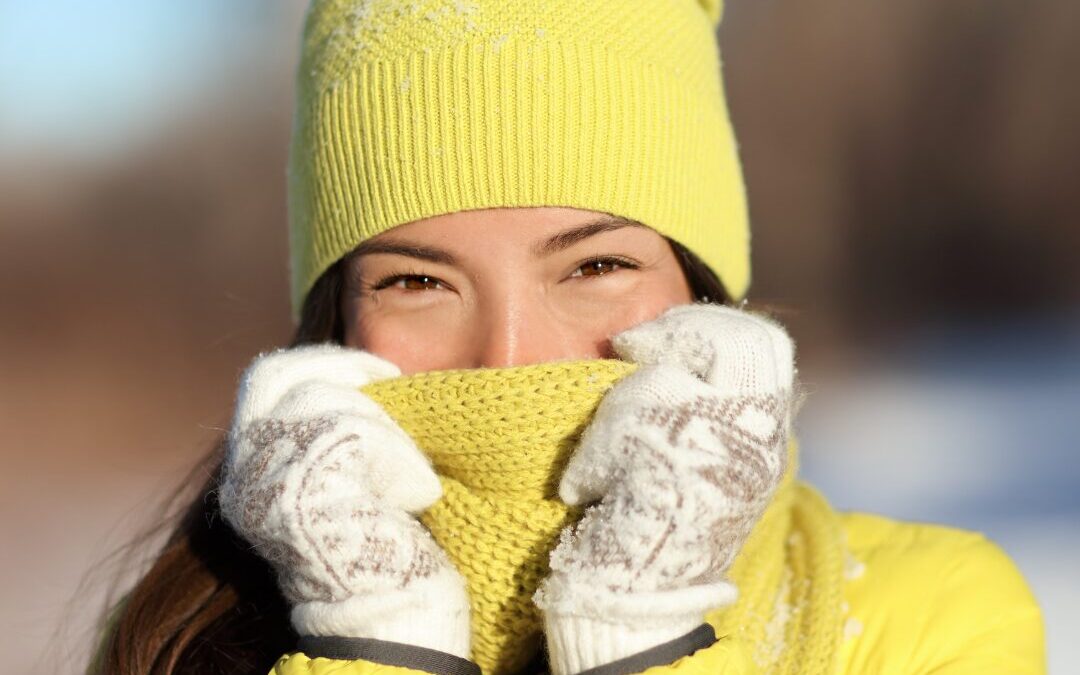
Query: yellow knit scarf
[[500, 439]]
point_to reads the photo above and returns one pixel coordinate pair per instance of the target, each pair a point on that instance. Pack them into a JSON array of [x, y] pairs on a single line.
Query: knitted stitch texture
[[314, 468], [411, 109], [499, 440], [681, 459]]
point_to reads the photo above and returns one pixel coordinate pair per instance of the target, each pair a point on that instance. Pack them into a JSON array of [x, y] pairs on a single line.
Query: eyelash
[[612, 259], [392, 279]]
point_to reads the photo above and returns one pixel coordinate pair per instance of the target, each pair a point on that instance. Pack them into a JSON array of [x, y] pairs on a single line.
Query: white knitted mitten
[[683, 456], [325, 486]]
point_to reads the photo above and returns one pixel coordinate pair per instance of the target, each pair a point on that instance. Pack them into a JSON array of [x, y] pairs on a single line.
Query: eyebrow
[[550, 246], [568, 238], [396, 247]]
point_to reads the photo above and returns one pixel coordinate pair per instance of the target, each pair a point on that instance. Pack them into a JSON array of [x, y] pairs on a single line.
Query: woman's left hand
[[683, 455]]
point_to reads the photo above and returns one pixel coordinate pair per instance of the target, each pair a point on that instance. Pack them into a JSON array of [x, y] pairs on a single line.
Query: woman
[[497, 185]]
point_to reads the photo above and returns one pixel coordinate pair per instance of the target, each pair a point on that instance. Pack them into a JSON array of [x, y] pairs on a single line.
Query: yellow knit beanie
[[411, 109]]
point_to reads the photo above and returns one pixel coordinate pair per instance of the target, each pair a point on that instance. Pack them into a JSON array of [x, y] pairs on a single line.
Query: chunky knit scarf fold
[[500, 439]]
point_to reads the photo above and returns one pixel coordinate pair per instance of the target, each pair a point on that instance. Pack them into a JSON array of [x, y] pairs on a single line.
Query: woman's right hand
[[325, 486]]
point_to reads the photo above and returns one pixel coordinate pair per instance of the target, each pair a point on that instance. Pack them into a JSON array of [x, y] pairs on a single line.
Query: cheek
[[412, 343], [646, 304], [639, 312]]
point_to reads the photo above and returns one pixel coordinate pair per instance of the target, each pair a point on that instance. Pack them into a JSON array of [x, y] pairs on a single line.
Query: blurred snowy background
[[912, 170], [971, 425]]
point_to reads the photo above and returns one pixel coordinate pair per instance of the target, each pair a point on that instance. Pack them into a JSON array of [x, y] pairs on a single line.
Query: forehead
[[534, 220], [545, 230]]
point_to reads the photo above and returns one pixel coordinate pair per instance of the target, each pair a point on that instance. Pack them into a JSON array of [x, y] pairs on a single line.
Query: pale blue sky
[[92, 75]]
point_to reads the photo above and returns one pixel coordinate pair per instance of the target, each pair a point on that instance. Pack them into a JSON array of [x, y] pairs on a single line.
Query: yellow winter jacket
[[920, 599], [819, 591]]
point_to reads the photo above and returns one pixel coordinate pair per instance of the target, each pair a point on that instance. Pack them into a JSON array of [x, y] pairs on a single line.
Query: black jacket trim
[[387, 653], [660, 655]]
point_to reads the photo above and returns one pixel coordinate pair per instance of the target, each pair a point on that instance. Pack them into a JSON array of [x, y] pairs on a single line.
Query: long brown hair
[[208, 604]]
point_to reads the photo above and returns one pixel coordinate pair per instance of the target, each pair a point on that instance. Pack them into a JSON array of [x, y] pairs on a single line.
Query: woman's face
[[506, 287]]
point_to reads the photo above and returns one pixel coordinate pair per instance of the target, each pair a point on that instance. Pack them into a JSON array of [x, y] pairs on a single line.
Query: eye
[[409, 282], [597, 267]]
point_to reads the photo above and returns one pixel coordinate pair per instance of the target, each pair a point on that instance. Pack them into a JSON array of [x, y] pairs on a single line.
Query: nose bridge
[[517, 330]]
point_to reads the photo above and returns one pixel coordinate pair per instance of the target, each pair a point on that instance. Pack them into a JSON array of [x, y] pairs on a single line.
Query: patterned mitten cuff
[[589, 628], [432, 613]]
